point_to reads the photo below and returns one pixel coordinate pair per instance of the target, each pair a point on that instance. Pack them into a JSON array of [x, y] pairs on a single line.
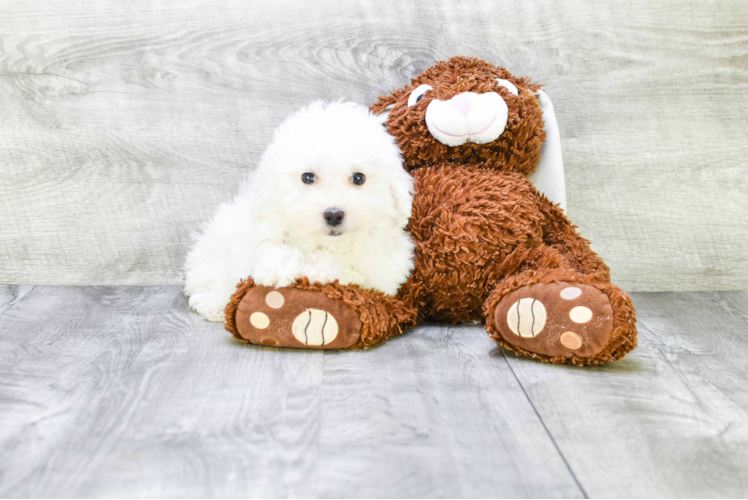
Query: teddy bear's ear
[[548, 177]]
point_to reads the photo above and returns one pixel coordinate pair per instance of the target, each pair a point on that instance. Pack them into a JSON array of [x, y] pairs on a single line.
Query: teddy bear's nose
[[333, 216], [464, 102]]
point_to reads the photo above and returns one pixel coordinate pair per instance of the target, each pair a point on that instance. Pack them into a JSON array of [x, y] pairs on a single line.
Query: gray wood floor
[[124, 392]]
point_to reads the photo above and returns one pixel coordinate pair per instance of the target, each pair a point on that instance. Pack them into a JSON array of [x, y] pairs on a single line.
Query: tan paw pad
[[275, 299], [571, 340], [526, 317], [571, 293], [259, 320], [580, 314], [315, 327]]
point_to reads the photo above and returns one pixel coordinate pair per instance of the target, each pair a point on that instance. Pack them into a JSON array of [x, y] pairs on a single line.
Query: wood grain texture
[[124, 124], [671, 419], [432, 414], [123, 392], [9, 295]]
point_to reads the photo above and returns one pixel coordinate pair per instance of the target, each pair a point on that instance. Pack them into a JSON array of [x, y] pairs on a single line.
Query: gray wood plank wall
[[124, 124]]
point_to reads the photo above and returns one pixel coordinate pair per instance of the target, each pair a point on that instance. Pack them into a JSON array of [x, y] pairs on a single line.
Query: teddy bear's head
[[466, 110]]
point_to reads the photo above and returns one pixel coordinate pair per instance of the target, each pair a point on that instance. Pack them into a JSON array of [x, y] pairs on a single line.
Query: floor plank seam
[[640, 325], [545, 427], [651, 332], [20, 299]]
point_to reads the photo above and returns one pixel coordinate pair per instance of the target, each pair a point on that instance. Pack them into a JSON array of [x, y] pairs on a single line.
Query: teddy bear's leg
[[559, 315], [314, 316], [561, 235]]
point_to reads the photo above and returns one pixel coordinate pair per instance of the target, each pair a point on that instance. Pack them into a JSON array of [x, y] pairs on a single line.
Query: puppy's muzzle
[[333, 217]]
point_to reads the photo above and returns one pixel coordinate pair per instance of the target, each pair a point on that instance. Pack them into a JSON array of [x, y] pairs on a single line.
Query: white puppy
[[329, 201]]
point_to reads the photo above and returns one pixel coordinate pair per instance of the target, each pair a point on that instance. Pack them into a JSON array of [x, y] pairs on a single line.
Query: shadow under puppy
[[329, 201]]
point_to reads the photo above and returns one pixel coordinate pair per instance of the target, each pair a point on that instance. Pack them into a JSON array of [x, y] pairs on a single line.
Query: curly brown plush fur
[[484, 233]]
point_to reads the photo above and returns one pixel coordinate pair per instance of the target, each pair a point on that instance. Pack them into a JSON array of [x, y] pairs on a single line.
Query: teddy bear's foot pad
[[288, 317], [556, 319]]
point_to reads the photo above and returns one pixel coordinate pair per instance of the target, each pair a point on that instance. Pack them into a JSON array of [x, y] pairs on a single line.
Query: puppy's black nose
[[333, 216]]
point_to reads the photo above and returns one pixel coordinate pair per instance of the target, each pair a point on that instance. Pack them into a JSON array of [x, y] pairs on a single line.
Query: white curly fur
[[274, 230]]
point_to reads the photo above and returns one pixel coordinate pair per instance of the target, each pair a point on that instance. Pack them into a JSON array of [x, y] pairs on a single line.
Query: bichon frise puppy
[[328, 201]]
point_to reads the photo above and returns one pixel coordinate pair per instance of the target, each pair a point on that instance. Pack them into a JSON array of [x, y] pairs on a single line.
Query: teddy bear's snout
[[467, 117], [465, 102]]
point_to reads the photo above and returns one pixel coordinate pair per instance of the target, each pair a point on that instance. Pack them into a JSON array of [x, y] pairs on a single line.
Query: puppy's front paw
[[273, 280], [352, 276], [209, 306]]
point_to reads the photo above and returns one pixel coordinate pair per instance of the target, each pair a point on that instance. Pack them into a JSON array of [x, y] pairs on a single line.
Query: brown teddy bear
[[489, 246]]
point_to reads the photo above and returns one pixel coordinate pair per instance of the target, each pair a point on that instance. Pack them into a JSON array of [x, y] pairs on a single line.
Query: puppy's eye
[[418, 94], [308, 178], [358, 178]]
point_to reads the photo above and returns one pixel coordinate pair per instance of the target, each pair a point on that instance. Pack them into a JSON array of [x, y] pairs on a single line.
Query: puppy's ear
[[402, 196]]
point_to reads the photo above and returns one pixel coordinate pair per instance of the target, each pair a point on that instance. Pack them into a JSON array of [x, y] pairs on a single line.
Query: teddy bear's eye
[[358, 178], [308, 178], [418, 94]]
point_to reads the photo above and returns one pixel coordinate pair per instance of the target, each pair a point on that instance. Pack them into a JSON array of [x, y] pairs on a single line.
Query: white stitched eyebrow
[[508, 85], [418, 92]]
